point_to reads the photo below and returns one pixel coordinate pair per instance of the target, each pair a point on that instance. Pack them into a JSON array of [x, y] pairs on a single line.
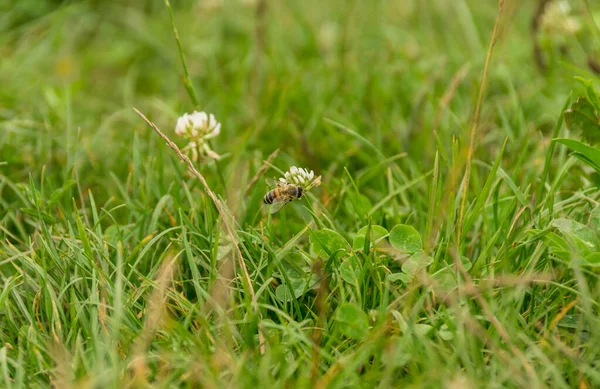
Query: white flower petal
[[215, 131], [181, 125], [197, 120], [198, 117], [299, 176]]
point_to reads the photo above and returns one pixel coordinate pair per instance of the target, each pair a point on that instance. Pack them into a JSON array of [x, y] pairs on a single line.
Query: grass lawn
[[453, 241]]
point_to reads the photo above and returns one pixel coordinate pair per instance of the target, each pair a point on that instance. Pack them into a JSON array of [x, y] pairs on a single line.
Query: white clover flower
[[198, 124], [197, 128], [301, 177]]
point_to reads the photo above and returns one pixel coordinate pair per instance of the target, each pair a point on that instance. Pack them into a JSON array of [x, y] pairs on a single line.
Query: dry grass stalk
[[225, 215]]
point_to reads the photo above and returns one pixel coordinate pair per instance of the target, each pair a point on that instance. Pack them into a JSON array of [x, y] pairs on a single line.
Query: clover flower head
[[198, 125], [301, 177], [197, 128]]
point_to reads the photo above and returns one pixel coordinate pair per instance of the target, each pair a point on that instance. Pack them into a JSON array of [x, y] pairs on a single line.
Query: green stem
[[187, 81], [548, 159]]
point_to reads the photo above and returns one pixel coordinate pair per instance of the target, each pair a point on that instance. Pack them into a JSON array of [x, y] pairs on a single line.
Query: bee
[[281, 194]]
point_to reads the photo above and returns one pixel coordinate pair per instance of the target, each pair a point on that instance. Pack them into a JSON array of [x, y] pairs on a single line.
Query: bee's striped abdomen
[[270, 196]]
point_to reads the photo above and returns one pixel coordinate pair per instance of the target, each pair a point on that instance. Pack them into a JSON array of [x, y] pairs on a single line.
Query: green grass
[[118, 270]]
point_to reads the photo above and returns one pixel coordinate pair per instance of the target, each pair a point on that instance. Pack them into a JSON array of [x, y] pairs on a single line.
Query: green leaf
[[293, 266], [405, 278], [586, 160], [57, 194], [466, 262], [416, 262], [594, 220], [591, 154], [298, 285], [576, 230], [83, 236], [377, 234], [564, 255], [570, 321], [112, 234], [9, 284], [422, 329], [445, 333], [483, 194], [590, 92], [416, 328], [352, 321], [350, 270], [324, 243], [583, 105], [39, 215], [357, 202], [593, 260], [445, 278], [283, 291], [551, 239], [406, 238], [582, 117]]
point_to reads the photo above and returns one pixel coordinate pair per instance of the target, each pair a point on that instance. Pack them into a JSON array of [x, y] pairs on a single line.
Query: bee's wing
[[272, 182], [278, 204]]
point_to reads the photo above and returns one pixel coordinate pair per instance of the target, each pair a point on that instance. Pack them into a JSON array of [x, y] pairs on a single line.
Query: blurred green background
[[71, 71], [365, 93]]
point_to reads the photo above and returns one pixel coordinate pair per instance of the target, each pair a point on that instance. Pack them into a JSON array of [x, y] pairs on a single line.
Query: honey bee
[[281, 194]]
